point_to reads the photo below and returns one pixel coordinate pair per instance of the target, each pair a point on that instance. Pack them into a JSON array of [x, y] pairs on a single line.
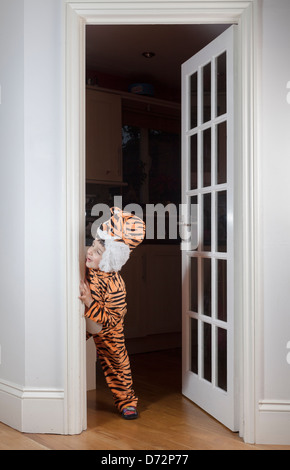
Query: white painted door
[[209, 344]]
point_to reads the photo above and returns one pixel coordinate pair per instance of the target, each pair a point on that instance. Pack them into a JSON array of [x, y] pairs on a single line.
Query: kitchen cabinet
[[103, 136]]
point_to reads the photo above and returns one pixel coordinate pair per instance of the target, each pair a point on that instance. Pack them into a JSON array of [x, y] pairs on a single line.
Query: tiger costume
[[109, 306]]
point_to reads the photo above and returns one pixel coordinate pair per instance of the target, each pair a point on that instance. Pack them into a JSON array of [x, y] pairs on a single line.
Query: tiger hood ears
[[121, 233]]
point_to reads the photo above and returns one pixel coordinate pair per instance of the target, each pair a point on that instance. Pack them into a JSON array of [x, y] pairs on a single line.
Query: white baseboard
[[32, 410], [273, 422]]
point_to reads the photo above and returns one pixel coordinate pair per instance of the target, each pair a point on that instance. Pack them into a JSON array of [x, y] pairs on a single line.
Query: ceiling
[[117, 50]]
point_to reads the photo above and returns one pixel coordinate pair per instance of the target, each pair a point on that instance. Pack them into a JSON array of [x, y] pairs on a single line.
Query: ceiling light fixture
[[148, 55]]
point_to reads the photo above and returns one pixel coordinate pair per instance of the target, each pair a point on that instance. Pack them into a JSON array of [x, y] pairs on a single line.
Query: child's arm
[[112, 310]]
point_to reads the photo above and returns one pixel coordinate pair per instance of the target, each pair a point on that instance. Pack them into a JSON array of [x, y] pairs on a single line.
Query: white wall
[[12, 251], [32, 189], [273, 418], [44, 192]]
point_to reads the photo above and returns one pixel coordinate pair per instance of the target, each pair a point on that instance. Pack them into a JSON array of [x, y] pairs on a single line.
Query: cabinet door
[[163, 289], [153, 282], [103, 136], [133, 275]]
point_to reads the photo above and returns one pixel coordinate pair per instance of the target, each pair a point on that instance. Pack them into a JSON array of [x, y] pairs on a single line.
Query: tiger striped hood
[[123, 227]]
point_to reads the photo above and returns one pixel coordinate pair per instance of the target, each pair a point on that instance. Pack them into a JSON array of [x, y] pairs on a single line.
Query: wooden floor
[[168, 421]]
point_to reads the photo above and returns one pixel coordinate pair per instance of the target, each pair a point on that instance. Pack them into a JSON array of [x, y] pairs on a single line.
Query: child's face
[[94, 255]]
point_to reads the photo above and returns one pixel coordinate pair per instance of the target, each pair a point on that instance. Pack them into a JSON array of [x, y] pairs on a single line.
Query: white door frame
[[77, 15]]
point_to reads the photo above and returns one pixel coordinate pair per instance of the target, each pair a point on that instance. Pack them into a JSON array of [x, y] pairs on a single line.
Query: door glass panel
[[193, 285], [207, 157], [193, 94], [207, 92], [193, 161], [222, 289], [194, 345], [194, 223], [222, 153], [207, 222], [206, 270], [221, 67], [222, 358], [222, 221], [207, 351]]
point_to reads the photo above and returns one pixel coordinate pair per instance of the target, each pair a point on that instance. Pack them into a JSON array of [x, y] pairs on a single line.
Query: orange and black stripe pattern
[[125, 227], [109, 308]]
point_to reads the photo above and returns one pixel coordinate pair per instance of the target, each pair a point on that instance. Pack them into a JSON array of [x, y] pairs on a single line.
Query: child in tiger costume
[[104, 295]]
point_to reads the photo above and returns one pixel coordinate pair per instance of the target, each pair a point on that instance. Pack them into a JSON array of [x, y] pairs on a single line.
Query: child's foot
[[129, 412]]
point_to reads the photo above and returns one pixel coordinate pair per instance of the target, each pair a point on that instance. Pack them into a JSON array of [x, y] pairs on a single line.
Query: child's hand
[[86, 296]]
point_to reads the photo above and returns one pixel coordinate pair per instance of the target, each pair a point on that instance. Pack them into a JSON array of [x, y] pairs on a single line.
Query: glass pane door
[[208, 285]]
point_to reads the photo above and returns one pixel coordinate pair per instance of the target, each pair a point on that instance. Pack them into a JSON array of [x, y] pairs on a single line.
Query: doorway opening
[[77, 17], [133, 77]]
